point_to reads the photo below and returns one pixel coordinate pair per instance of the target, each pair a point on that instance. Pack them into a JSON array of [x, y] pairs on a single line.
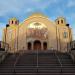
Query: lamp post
[[7, 25], [69, 44], [56, 37], [59, 38], [17, 37]]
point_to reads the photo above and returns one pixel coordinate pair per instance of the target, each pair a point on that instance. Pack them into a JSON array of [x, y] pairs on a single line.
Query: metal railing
[[72, 54], [17, 59], [59, 60], [4, 47]]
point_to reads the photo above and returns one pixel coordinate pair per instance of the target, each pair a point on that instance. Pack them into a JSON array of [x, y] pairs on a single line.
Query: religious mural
[[37, 30]]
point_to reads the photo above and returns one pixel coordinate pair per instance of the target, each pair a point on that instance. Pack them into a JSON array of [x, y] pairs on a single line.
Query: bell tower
[[60, 21], [13, 21]]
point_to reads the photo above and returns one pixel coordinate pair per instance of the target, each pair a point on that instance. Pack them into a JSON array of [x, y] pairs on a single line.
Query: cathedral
[[38, 32]]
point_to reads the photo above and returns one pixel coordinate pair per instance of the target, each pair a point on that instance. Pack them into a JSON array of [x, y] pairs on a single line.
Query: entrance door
[[29, 46], [37, 45], [45, 46]]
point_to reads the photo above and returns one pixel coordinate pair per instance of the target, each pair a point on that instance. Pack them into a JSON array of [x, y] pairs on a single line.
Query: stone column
[[42, 45]]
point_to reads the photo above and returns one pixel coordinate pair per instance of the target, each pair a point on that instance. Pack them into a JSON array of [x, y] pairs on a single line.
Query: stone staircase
[[38, 63]]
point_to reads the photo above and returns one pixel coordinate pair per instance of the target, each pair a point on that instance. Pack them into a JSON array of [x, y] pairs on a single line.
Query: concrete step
[[47, 64]]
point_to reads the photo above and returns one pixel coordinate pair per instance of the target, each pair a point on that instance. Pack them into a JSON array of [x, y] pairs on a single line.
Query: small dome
[[13, 19]]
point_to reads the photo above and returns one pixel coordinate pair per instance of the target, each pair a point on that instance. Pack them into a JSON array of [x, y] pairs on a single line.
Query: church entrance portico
[[35, 45]]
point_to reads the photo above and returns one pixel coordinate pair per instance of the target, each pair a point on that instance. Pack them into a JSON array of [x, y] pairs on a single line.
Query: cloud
[[73, 15], [60, 11], [16, 6], [29, 11], [43, 4], [8, 6], [71, 3]]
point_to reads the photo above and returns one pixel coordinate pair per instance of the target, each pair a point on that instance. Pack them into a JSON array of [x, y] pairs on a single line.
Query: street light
[[17, 37], [57, 38], [69, 44], [7, 25]]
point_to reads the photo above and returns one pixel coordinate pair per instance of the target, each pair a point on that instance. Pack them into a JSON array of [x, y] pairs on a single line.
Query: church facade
[[37, 32]]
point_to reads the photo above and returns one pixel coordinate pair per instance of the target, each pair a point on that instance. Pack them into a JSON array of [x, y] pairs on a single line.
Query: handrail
[[59, 61], [72, 54], [16, 62], [4, 46], [37, 58]]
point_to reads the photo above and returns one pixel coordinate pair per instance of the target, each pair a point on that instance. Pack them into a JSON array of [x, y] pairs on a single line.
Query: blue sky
[[21, 9]]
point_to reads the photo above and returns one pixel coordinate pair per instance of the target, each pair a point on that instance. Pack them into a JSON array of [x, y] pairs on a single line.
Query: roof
[[38, 15], [14, 18]]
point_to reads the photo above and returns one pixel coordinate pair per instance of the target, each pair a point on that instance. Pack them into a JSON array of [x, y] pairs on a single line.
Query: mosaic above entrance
[[37, 30]]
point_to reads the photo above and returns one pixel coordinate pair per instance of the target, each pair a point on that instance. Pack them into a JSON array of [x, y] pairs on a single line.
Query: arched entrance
[[37, 45], [29, 46], [45, 46]]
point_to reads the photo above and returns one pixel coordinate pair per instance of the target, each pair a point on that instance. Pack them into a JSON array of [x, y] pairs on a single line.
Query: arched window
[[12, 22], [62, 21], [65, 34], [58, 22], [45, 46], [15, 22]]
